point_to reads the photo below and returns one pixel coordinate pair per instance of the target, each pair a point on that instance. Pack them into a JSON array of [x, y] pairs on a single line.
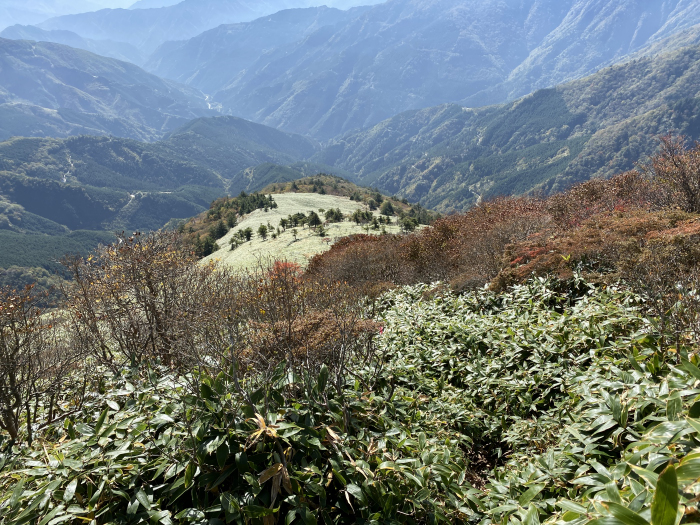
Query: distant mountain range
[[107, 48], [49, 89], [445, 157], [146, 29], [323, 72], [153, 4], [411, 54], [346, 78], [214, 59], [449, 156], [23, 12]]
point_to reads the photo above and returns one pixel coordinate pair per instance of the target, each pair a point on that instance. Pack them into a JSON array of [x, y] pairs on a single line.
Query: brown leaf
[[269, 473], [276, 482]]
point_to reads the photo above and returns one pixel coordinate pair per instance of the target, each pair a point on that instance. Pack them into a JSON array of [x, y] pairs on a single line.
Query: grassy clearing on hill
[[308, 242]]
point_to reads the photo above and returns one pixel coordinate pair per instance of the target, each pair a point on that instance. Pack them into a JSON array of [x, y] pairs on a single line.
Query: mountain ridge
[[148, 28], [448, 157], [407, 54], [78, 89], [108, 48]]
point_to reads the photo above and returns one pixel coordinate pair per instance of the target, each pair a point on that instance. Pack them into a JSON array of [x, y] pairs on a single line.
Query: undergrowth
[[549, 402]]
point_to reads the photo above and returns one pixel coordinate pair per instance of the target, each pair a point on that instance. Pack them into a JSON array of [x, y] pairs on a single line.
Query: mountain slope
[[590, 31], [153, 4], [149, 28], [447, 157], [23, 12], [84, 86], [107, 48], [215, 58], [100, 183], [411, 54]]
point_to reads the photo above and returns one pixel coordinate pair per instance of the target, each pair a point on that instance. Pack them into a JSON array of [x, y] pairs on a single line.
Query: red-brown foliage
[[507, 240], [465, 248], [600, 227]]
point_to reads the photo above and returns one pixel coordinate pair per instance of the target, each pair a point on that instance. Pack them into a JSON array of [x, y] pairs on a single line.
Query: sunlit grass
[[308, 242]]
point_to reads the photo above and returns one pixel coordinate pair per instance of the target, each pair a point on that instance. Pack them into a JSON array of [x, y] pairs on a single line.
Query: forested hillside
[[447, 157], [99, 182], [105, 184]]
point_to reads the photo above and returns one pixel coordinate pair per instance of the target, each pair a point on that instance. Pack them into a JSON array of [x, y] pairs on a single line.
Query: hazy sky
[[115, 3]]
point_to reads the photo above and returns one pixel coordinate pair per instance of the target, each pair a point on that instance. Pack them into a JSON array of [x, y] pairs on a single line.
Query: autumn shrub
[[369, 264], [601, 247], [133, 302], [665, 267], [628, 191], [36, 358], [465, 249], [676, 168]]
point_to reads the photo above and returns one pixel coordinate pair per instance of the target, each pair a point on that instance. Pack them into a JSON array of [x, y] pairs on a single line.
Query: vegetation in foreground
[[170, 391]]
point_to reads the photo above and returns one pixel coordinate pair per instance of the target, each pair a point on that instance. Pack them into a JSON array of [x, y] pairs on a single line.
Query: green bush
[[550, 402]]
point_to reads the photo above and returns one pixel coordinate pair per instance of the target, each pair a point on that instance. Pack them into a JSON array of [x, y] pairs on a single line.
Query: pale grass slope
[[250, 254]]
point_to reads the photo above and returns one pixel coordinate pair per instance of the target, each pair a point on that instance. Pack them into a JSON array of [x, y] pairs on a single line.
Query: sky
[[114, 3]]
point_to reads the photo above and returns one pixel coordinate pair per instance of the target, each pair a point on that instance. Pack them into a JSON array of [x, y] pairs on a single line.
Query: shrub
[[35, 357], [550, 403], [386, 208], [135, 301], [677, 169]]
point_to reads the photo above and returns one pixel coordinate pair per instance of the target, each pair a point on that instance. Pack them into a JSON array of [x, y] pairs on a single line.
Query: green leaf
[[526, 497], [570, 506], [613, 492], [16, 494], [242, 462], [648, 475], [161, 419], [532, 517], [674, 406], [694, 410], [606, 520], [189, 474], [100, 421], [222, 454], [688, 470], [307, 516], [51, 515], [625, 515], [355, 491], [323, 378], [143, 499], [664, 506], [690, 368], [70, 491], [694, 423], [113, 405]]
